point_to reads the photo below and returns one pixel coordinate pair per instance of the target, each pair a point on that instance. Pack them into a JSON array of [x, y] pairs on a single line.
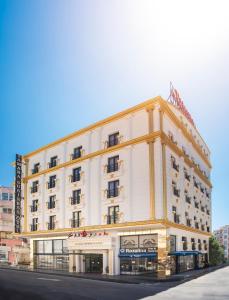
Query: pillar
[[111, 262], [78, 262], [163, 263], [105, 262]]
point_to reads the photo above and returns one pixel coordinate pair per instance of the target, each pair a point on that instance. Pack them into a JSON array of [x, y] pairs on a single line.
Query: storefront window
[[129, 242], [57, 246], [47, 246], [148, 240]]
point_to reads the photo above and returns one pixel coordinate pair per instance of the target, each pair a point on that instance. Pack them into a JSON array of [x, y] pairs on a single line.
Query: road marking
[[50, 279]]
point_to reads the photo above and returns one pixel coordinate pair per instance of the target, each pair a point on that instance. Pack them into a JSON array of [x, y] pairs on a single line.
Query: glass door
[[93, 263]]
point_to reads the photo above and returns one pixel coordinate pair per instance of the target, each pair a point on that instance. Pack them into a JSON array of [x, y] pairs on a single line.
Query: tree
[[216, 252]]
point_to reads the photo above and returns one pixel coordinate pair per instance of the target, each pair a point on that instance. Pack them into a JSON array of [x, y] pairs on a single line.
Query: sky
[[66, 64]]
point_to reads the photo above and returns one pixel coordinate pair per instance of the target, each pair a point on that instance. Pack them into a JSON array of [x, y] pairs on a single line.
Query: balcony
[[51, 204], [176, 192], [113, 219], [75, 223], [34, 189], [176, 218], [51, 226], [188, 222], [188, 199], [175, 166], [77, 154], [33, 208], [75, 201], [196, 205], [52, 164], [51, 184], [187, 177], [35, 170], [113, 193], [33, 227], [113, 142], [75, 178], [112, 168]]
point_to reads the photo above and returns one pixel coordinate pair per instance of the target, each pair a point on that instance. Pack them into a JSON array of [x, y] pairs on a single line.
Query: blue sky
[[66, 64]]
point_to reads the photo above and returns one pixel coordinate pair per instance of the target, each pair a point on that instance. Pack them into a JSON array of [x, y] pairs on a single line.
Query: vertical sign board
[[18, 176]]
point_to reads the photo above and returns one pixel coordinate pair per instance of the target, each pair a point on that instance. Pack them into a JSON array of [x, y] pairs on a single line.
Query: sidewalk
[[130, 279]]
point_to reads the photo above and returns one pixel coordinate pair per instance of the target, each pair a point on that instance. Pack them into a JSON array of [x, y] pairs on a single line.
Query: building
[[222, 236], [127, 195], [7, 241]]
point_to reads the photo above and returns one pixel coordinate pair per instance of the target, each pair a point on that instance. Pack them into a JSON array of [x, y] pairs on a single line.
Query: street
[[214, 285], [18, 285]]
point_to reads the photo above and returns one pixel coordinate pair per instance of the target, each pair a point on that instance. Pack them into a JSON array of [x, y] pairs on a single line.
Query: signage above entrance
[[87, 234]]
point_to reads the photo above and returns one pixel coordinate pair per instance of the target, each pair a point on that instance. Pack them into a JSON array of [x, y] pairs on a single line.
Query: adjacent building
[[130, 194], [222, 235], [8, 243]]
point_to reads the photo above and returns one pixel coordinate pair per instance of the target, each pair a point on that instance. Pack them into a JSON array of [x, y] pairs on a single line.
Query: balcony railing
[[51, 204], [34, 189], [52, 164], [51, 184], [113, 142], [175, 166], [196, 205], [75, 200], [33, 227], [113, 219], [112, 167], [187, 177], [188, 222], [51, 226], [33, 208], [76, 155], [176, 218], [75, 223], [75, 178], [35, 170], [188, 199], [176, 192], [113, 193]]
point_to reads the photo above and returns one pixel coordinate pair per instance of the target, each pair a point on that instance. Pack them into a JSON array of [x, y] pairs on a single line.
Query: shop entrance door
[[93, 263]]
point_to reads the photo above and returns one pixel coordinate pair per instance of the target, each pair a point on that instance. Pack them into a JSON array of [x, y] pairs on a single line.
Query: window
[[57, 246], [52, 222], [34, 188], [77, 152], [5, 196], [113, 189], [76, 174], [10, 196], [185, 244], [112, 164], [76, 216], [176, 192], [113, 215], [76, 197], [186, 175], [52, 182], [113, 139], [193, 242], [174, 164], [7, 210], [52, 202], [176, 217], [34, 224], [34, 205], [36, 168], [53, 162], [172, 243]]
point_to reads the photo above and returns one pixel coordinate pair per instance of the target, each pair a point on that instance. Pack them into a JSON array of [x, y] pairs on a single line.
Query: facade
[[127, 195], [7, 241], [222, 235]]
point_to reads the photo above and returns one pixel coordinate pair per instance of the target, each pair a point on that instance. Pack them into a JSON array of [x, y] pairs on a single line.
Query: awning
[[138, 255], [184, 253]]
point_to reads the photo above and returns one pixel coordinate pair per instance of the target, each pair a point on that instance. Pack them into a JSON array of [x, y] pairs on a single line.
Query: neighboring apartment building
[[8, 243], [127, 195], [222, 235]]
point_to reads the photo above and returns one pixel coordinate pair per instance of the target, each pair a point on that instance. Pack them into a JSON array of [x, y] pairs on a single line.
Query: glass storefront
[[186, 263], [138, 254], [51, 254], [93, 263]]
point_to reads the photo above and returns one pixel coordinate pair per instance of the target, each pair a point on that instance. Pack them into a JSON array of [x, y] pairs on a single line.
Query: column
[[111, 262], [105, 262], [78, 262], [163, 264]]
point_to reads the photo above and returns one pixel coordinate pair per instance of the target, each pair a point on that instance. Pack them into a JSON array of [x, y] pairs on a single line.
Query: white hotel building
[[127, 195]]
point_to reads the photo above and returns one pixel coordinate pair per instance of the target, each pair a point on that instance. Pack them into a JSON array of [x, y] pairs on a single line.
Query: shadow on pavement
[[6, 294]]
